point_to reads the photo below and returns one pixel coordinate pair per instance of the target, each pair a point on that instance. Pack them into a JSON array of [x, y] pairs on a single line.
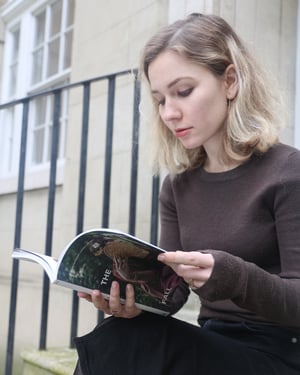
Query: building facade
[[46, 44]]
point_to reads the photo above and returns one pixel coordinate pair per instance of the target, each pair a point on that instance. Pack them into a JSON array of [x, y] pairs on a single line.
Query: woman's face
[[192, 102]]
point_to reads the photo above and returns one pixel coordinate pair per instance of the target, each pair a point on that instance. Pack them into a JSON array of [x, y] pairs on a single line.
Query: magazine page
[[97, 257], [48, 263]]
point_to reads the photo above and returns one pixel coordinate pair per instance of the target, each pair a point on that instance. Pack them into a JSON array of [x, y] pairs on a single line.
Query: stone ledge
[[56, 361]]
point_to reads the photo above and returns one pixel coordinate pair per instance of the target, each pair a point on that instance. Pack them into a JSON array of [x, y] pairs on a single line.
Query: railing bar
[[154, 210], [51, 193], [67, 86], [108, 150], [83, 157], [108, 159], [81, 194], [50, 213], [134, 157], [17, 241]]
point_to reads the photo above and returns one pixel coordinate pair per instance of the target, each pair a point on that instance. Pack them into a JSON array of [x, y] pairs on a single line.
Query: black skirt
[[153, 345]]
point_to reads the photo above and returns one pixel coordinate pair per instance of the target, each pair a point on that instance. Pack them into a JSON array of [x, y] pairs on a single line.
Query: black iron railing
[[83, 162]]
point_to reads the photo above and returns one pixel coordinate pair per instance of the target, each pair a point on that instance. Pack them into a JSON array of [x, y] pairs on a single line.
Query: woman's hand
[[113, 306], [194, 266]]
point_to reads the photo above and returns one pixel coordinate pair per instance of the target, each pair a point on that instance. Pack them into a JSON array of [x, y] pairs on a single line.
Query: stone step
[[54, 361]]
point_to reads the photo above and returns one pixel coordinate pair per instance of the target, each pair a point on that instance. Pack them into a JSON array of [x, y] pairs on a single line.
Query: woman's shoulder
[[282, 161], [282, 155], [284, 150]]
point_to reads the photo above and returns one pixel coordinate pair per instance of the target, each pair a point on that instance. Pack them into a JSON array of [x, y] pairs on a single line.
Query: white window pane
[[15, 45], [13, 68], [40, 28], [68, 49], [11, 141], [49, 144], [53, 57], [70, 13], [37, 65], [40, 111], [38, 146], [13, 80], [50, 104], [41, 126], [56, 9], [9, 120]]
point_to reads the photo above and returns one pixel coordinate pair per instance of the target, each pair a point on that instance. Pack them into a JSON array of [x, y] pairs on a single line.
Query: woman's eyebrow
[[172, 83]]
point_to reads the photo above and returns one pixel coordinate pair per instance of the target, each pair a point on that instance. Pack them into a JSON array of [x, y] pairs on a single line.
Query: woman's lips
[[182, 132]]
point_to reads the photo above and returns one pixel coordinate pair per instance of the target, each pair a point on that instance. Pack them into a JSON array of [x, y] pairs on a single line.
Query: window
[[41, 118], [38, 41], [14, 60], [51, 53], [8, 116]]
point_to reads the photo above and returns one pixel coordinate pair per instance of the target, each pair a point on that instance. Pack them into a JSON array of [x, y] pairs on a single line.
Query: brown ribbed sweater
[[248, 218]]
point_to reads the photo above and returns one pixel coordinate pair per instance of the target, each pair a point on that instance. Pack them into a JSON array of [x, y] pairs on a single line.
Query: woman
[[230, 217]]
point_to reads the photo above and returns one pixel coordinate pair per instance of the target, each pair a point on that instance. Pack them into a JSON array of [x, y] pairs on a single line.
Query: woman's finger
[[130, 309], [193, 258], [194, 267], [115, 305], [100, 302], [192, 272], [118, 309], [85, 296]]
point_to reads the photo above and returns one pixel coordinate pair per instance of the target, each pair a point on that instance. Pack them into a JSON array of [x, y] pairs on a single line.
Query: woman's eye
[[161, 102], [185, 93]]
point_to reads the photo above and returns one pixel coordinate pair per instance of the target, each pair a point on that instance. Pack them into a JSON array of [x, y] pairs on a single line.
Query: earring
[[228, 104]]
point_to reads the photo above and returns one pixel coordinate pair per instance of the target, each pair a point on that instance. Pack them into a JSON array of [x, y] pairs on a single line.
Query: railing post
[[81, 194], [17, 240], [108, 150], [108, 158], [50, 213], [134, 157], [154, 210]]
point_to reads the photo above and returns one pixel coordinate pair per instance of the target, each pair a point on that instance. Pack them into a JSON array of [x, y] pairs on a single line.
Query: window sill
[[37, 178]]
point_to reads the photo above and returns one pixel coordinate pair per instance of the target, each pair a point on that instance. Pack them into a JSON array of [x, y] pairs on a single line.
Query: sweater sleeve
[[275, 297], [272, 297]]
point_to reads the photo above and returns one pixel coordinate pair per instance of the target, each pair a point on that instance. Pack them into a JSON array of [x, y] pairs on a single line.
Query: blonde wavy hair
[[254, 115]]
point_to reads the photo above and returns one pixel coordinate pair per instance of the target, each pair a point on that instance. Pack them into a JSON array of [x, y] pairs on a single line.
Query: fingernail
[[161, 257], [114, 284], [95, 293]]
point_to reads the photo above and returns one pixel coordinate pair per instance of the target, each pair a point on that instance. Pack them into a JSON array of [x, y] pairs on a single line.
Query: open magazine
[[93, 259]]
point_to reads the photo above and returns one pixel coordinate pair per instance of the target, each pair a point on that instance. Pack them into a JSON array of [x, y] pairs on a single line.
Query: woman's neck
[[217, 166]]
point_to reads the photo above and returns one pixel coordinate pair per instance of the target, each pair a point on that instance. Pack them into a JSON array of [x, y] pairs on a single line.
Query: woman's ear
[[231, 82]]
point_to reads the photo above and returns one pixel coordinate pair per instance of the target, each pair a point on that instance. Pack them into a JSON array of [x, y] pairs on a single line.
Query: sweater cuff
[[227, 280]]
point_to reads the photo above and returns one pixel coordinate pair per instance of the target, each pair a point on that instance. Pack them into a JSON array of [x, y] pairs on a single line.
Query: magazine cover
[[97, 257]]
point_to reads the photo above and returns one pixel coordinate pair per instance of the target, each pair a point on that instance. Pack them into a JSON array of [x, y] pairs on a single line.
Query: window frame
[[63, 73], [20, 14]]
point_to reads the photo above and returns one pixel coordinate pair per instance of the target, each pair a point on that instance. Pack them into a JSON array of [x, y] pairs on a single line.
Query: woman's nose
[[170, 111]]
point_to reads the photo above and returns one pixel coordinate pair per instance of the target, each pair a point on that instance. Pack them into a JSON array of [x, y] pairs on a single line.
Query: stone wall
[[108, 37]]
